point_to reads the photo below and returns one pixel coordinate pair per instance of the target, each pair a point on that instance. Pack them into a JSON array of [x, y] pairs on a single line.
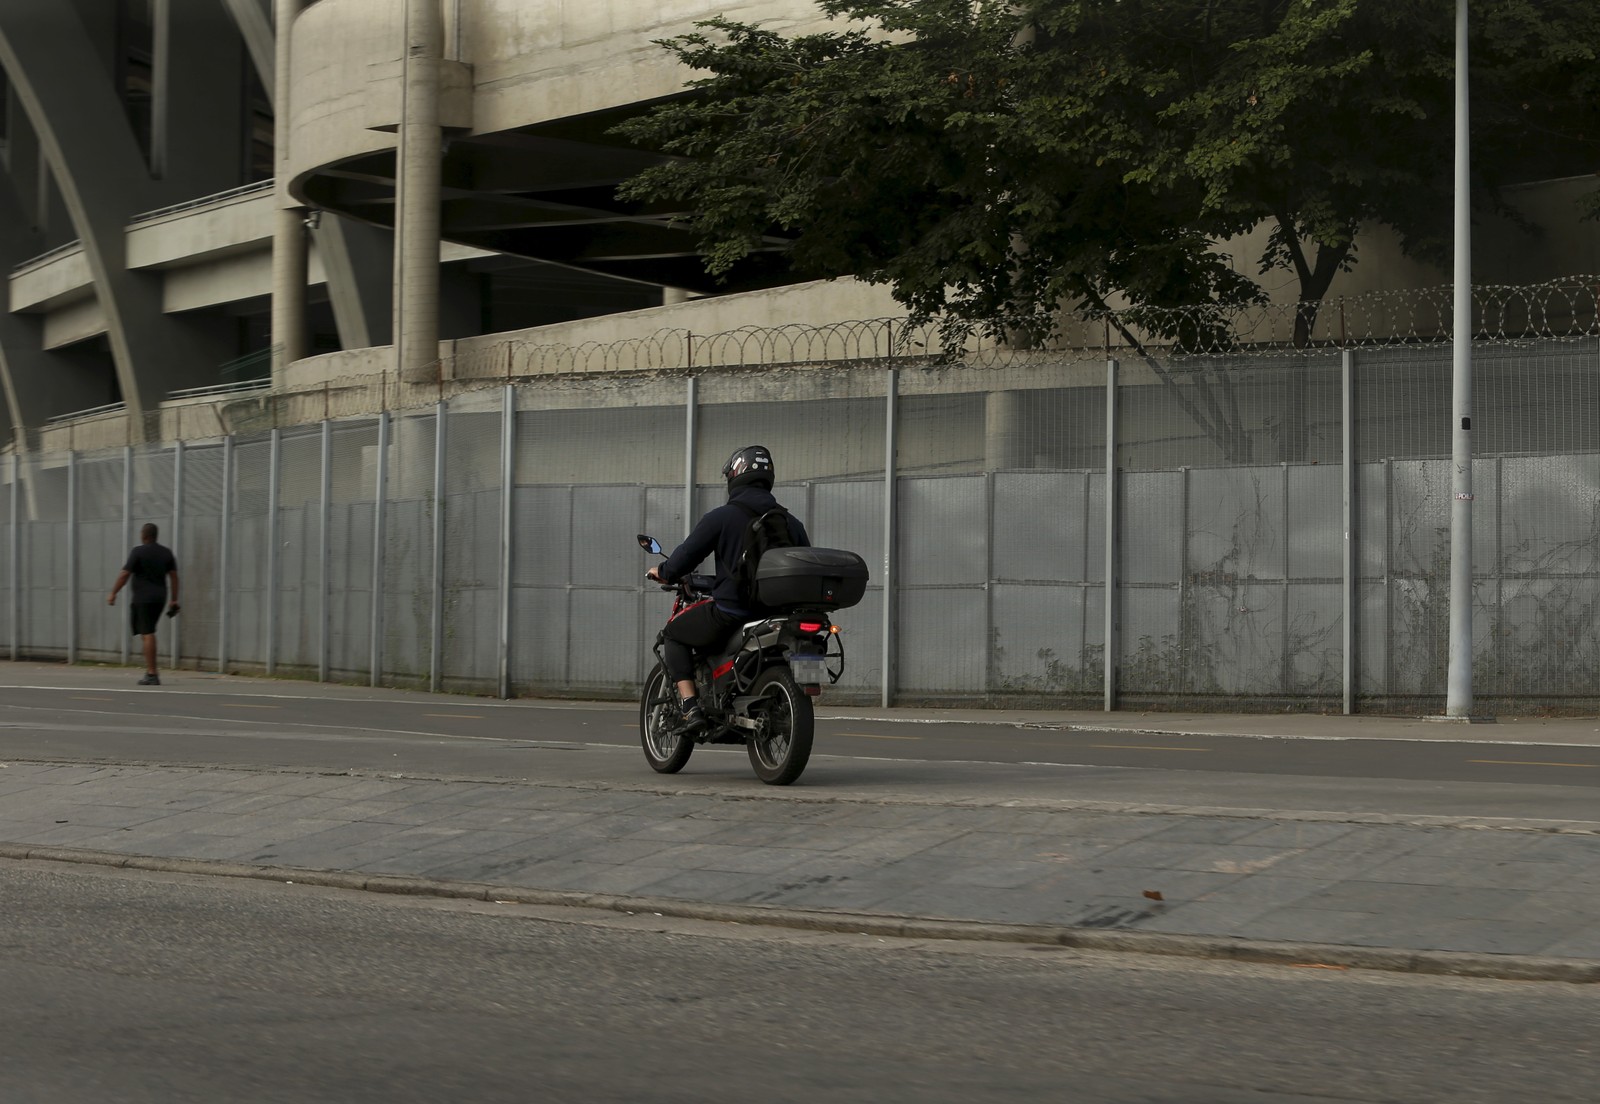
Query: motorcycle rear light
[[811, 626]]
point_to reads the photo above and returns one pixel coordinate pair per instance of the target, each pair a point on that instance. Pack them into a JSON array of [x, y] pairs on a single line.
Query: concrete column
[[355, 257], [419, 157], [1003, 441], [290, 251]]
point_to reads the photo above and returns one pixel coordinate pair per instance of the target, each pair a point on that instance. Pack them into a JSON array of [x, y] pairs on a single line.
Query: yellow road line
[[1144, 747], [1532, 763]]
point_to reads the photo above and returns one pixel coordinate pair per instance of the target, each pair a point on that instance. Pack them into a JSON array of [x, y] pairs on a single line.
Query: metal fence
[[1274, 533]]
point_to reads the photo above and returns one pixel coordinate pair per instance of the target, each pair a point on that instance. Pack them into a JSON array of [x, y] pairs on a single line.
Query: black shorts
[[145, 616]]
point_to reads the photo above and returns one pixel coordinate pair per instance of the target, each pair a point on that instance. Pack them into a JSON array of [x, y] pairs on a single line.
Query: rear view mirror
[[650, 544]]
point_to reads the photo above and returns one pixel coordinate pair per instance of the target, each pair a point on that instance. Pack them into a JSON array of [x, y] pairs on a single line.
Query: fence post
[[436, 658], [691, 442], [990, 673], [1388, 576], [177, 535], [72, 556], [508, 453], [1285, 661], [224, 554], [273, 452], [890, 508], [1347, 445], [324, 551], [1186, 501], [16, 562], [1110, 663], [379, 516], [127, 530]]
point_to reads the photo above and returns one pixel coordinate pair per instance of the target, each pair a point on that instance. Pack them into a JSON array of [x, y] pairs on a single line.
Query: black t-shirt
[[149, 565]]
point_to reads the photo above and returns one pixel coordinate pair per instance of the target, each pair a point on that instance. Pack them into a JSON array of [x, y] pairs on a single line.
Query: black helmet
[[749, 465]]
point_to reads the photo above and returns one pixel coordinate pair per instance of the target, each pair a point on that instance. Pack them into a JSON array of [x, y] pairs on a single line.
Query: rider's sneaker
[[150, 680], [694, 718]]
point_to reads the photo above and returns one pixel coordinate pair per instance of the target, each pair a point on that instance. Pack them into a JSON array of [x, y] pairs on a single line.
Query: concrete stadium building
[[204, 192]]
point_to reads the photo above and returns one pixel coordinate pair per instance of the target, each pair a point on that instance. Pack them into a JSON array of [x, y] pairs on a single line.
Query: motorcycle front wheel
[[667, 746], [781, 747]]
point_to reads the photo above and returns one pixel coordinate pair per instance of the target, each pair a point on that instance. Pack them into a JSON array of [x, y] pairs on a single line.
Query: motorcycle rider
[[706, 624]]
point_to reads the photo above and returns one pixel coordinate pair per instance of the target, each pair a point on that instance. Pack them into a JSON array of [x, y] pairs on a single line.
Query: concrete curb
[[1504, 967]]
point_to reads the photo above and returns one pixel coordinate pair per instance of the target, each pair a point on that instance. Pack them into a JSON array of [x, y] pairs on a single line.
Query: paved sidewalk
[[1516, 888]]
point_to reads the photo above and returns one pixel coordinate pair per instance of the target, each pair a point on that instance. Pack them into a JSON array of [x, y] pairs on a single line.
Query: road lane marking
[[240, 705], [1532, 763], [876, 736], [278, 733], [81, 697], [456, 716], [1144, 747]]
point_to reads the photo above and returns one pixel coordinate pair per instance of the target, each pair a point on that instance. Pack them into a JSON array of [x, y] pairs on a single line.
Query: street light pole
[[1458, 695]]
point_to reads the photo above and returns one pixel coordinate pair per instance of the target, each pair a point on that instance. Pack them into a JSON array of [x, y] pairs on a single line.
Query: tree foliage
[[992, 161]]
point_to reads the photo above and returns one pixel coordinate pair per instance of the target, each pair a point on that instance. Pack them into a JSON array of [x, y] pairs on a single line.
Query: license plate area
[[808, 670]]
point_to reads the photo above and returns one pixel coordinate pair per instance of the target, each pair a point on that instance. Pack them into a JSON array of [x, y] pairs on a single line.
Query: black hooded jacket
[[722, 531]]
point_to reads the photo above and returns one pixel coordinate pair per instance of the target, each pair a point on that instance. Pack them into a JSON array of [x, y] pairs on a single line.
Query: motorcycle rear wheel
[[780, 749], [667, 746]]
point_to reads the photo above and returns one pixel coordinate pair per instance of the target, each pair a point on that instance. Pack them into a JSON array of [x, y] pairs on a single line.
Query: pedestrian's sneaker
[[694, 718], [150, 680]]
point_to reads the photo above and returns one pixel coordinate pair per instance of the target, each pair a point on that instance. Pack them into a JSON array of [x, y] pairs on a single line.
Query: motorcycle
[[756, 690]]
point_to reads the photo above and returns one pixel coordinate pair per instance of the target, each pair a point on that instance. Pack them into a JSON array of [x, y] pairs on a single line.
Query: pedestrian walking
[[149, 567]]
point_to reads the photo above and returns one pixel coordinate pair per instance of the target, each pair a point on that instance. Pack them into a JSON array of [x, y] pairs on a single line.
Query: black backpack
[[769, 529]]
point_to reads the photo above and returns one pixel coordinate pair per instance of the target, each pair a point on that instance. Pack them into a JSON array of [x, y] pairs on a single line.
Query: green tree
[[993, 161]]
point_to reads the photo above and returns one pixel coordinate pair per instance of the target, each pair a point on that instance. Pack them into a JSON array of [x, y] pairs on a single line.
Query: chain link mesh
[[1230, 490], [198, 548]]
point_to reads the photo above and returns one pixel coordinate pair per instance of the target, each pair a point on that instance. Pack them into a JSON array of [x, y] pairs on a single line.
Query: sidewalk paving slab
[[1514, 889]]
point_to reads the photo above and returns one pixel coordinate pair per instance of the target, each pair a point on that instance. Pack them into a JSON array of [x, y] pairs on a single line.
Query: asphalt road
[[161, 989], [279, 724]]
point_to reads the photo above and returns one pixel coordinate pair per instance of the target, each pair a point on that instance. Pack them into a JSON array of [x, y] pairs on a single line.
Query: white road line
[[225, 720]]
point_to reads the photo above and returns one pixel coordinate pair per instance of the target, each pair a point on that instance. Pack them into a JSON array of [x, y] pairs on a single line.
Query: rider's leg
[[695, 629]]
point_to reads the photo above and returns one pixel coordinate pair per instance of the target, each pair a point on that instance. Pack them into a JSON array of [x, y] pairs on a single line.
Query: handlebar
[[692, 584]]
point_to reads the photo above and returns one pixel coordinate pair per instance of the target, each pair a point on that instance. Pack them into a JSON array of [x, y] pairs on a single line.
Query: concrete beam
[[51, 61], [356, 260], [255, 27], [34, 383]]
